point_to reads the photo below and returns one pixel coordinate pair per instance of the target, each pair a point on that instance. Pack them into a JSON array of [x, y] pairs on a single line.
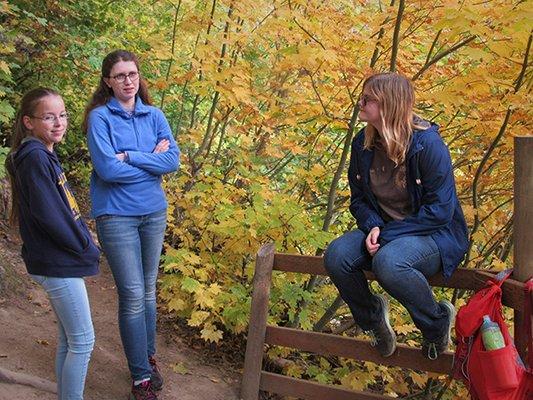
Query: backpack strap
[[500, 277]]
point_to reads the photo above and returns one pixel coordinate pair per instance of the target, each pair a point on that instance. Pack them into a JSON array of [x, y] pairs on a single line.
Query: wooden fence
[[260, 333]]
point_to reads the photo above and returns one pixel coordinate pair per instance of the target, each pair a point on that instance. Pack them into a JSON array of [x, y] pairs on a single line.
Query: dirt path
[[28, 341]]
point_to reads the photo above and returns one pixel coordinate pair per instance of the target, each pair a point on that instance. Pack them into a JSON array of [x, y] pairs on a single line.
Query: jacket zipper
[[413, 184], [135, 130]]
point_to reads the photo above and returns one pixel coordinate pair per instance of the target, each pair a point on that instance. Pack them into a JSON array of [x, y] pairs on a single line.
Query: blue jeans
[[401, 268], [132, 246], [70, 303]]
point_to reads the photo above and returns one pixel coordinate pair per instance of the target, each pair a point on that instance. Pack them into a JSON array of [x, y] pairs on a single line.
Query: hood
[[29, 145], [422, 136]]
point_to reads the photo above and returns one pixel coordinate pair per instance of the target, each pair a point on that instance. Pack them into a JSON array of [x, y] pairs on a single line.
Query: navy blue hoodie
[[56, 240], [431, 185]]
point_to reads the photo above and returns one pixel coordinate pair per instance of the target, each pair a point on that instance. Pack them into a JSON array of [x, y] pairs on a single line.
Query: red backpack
[[497, 374]]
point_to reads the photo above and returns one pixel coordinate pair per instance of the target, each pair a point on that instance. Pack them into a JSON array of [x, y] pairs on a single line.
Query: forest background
[[262, 98]]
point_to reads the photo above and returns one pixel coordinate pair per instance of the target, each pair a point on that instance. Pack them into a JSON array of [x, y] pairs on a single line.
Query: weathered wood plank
[[357, 349], [256, 329], [523, 220], [469, 279], [302, 389]]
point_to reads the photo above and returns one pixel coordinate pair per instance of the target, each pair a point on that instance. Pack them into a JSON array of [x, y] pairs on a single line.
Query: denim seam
[[77, 315], [424, 259], [86, 337], [354, 262]]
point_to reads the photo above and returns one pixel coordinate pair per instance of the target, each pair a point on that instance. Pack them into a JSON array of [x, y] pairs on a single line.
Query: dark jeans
[[401, 268]]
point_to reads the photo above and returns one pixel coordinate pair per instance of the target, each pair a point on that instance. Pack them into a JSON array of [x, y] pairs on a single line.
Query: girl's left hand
[[121, 156], [372, 244]]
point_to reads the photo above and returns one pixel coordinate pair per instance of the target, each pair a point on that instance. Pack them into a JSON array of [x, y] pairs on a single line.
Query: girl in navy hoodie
[[410, 223], [57, 247]]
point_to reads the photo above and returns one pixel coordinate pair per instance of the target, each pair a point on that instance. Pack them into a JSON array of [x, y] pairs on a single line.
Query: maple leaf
[[211, 334]]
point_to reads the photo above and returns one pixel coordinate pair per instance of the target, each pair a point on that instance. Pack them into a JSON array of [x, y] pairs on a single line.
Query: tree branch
[[308, 33], [430, 52], [520, 78], [396, 36], [173, 46], [441, 55]]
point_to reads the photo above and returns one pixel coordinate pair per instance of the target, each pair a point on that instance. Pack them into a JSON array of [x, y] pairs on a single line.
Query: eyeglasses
[[364, 99], [120, 78], [50, 118]]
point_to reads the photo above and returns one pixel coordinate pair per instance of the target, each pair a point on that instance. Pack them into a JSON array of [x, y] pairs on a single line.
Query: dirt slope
[[28, 341]]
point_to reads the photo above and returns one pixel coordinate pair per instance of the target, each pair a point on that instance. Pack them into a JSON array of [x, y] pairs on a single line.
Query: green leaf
[[190, 285]]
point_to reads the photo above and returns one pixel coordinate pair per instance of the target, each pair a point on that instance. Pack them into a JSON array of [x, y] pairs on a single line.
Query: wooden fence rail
[[267, 261], [260, 333]]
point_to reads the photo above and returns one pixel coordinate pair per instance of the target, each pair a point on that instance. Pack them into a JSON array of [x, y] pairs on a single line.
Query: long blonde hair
[[396, 98]]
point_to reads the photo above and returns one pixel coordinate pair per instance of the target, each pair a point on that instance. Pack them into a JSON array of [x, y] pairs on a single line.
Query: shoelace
[[373, 338], [432, 351], [146, 387]]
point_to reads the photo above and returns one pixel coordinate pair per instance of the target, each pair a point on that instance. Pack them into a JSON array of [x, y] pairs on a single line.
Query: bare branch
[[396, 36], [441, 55], [430, 52], [520, 78], [308, 33]]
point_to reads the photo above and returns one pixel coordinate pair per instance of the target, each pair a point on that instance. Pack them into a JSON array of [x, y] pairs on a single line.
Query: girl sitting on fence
[[410, 223]]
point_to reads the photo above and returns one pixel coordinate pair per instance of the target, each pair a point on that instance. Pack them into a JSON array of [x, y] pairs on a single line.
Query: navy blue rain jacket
[[431, 185], [56, 240]]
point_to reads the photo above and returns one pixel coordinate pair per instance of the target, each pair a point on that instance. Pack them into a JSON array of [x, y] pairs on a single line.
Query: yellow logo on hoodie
[[70, 197]]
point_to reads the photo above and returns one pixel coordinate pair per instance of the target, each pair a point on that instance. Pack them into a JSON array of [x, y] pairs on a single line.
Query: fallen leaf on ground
[[180, 368]]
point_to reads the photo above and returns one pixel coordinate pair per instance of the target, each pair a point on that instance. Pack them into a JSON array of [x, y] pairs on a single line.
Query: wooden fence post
[[523, 223], [253, 359]]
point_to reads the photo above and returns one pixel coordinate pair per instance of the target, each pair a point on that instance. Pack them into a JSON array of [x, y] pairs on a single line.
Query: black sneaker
[[156, 377], [432, 349], [142, 391], [383, 337]]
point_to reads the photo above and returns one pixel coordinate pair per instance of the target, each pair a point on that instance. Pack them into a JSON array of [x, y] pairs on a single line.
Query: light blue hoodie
[[130, 188]]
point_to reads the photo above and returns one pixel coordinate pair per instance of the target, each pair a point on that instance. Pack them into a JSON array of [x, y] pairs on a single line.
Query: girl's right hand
[[162, 146], [371, 241]]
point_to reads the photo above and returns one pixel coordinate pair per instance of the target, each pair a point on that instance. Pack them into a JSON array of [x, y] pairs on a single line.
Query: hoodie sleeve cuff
[[130, 158]]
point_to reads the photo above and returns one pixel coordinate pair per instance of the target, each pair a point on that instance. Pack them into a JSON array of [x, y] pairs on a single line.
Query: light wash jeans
[[132, 246], [401, 268], [70, 303]]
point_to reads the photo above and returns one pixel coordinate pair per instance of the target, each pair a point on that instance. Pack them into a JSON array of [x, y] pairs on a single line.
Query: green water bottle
[[491, 334]]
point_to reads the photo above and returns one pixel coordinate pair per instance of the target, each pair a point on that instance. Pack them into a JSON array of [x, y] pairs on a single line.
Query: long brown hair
[[103, 93], [28, 104], [396, 98]]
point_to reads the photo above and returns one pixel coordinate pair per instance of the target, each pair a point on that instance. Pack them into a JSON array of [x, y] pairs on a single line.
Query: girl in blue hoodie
[[410, 223], [57, 249], [131, 147]]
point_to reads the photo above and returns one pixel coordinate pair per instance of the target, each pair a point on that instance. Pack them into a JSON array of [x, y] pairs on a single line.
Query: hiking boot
[[432, 349], [142, 391], [156, 378], [382, 336]]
